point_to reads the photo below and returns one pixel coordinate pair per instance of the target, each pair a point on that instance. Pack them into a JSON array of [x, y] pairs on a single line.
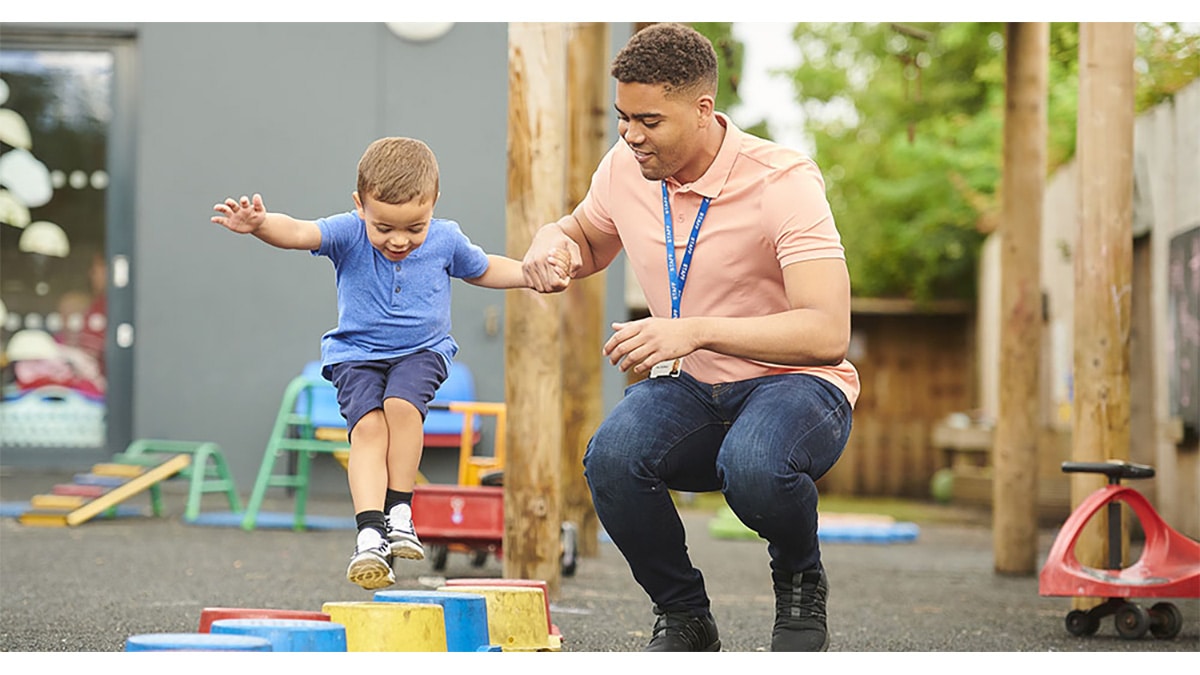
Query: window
[[56, 108]]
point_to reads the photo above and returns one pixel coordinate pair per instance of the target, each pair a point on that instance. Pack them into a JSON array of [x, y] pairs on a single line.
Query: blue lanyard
[[679, 278]]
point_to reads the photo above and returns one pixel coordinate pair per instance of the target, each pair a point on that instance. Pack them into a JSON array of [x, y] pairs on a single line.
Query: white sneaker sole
[[407, 550], [370, 573]]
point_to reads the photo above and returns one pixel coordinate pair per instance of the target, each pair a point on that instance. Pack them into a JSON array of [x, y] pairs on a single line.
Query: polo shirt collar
[[710, 184]]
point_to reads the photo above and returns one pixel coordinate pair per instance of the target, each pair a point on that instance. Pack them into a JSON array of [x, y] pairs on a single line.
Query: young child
[[392, 346]]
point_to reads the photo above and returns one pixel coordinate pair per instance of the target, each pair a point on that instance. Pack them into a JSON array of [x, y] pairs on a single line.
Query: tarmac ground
[[88, 588]]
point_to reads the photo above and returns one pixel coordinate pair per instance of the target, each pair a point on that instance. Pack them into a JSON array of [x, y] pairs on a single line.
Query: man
[[748, 391]]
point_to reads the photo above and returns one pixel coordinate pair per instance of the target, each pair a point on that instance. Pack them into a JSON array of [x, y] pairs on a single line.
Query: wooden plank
[[88, 491], [333, 434], [920, 467], [57, 502], [133, 486], [118, 470], [343, 458], [897, 460], [973, 486], [101, 481], [874, 453], [43, 519]]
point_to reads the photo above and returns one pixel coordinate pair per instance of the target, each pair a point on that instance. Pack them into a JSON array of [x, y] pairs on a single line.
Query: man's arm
[[814, 332], [590, 249]]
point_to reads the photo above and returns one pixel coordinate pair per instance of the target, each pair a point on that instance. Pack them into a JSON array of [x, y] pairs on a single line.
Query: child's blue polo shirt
[[388, 309]]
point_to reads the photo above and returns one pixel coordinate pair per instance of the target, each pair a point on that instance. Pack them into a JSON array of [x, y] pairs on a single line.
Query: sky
[[764, 95]]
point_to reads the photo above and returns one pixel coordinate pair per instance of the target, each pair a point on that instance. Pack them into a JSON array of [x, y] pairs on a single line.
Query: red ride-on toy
[[1169, 565], [468, 517]]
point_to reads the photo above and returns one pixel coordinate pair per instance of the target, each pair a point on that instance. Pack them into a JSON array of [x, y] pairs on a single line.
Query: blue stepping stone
[[288, 635], [196, 642]]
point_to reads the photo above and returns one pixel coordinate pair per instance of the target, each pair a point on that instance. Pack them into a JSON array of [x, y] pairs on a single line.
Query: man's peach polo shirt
[[767, 210]]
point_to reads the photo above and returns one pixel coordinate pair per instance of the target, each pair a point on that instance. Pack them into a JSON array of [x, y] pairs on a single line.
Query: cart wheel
[[570, 549], [1165, 620], [1132, 621], [437, 555], [1081, 623], [479, 558]]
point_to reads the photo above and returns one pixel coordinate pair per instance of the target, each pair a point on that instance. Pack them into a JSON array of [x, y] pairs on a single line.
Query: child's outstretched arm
[[504, 272], [245, 216]]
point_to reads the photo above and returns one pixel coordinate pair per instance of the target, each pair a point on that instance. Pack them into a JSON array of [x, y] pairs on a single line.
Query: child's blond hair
[[397, 170]]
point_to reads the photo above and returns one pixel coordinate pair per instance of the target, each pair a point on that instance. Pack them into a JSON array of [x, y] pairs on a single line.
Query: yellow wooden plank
[[118, 470], [43, 519], [331, 434], [343, 458], [57, 502], [133, 486]]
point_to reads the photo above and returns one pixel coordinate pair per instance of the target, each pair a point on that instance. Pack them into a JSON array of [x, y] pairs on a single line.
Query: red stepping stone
[[210, 614]]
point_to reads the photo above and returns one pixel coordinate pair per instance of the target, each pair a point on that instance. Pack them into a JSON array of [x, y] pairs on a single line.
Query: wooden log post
[[1103, 267], [1014, 482], [588, 110], [532, 327]]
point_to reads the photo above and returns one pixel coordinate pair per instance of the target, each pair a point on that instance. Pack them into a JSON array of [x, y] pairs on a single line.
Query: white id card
[[670, 368]]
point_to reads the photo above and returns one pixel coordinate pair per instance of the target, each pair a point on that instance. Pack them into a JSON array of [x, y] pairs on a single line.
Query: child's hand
[[560, 260], [242, 216]]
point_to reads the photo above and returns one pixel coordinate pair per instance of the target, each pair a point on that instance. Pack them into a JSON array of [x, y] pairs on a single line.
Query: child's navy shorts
[[363, 385]]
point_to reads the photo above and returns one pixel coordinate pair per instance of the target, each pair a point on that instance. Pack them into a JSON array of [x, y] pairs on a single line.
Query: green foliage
[[730, 53], [907, 121]]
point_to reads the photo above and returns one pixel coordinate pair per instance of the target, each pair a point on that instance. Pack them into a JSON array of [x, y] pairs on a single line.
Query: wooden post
[[1103, 266], [532, 331], [588, 111], [1014, 483]]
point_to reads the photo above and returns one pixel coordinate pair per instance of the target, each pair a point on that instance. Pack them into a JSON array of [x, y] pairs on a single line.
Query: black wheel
[[1132, 621], [479, 558], [1081, 623], [1165, 620], [437, 555], [570, 549]]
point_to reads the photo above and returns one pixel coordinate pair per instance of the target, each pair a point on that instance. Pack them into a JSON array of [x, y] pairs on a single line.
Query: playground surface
[[89, 587]]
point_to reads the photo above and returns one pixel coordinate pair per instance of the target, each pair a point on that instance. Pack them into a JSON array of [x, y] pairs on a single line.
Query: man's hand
[[643, 343], [552, 260], [243, 217]]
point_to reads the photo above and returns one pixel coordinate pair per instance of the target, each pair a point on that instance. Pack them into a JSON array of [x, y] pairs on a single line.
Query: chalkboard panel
[[1183, 334]]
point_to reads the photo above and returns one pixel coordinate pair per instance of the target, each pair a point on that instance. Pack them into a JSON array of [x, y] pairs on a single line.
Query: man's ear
[[704, 109]]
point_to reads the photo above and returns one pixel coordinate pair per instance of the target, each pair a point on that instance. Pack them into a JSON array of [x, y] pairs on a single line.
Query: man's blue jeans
[[762, 442]]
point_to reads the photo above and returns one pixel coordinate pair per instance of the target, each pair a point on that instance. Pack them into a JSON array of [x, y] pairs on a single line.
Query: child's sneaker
[[402, 536], [370, 566]]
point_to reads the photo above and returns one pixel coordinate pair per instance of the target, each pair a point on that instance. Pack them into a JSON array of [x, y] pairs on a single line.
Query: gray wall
[[223, 322]]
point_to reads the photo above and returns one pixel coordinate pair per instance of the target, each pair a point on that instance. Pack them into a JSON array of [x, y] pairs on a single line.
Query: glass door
[[57, 331]]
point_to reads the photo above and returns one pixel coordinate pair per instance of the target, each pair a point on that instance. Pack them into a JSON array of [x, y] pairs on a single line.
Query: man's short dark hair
[[671, 54]]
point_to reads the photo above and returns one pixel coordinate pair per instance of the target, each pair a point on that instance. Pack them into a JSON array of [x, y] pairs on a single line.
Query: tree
[[907, 123], [730, 56]]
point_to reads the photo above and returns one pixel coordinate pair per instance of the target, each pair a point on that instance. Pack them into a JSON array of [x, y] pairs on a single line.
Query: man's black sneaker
[[675, 632], [800, 611]]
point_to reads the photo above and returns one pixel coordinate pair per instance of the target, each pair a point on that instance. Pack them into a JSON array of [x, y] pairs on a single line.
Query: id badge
[[665, 368]]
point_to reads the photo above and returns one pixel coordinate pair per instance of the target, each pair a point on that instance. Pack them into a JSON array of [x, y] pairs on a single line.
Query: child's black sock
[[395, 497], [372, 519]]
